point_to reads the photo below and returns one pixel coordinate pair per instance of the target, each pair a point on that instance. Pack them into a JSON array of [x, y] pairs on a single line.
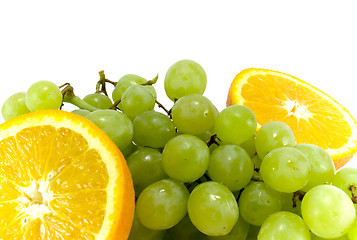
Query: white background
[[70, 41]]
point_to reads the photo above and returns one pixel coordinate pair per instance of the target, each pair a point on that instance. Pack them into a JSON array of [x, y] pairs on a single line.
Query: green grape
[[257, 161], [345, 178], [153, 129], [257, 202], [185, 158], [137, 99], [238, 232], [162, 204], [285, 169], [193, 114], [284, 225], [322, 167], [273, 135], [145, 168], [253, 232], [235, 124], [344, 237], [14, 106], [249, 145], [184, 230], [127, 81], [81, 112], [140, 232], [287, 203], [231, 166], [98, 100], [43, 95], [328, 211], [213, 209], [183, 78], [115, 124], [352, 232]]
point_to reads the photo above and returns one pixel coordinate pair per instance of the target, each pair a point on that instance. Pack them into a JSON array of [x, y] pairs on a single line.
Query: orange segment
[[314, 116], [61, 177]]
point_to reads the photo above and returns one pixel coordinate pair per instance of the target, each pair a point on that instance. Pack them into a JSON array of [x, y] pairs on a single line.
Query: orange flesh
[[45, 158], [273, 98]]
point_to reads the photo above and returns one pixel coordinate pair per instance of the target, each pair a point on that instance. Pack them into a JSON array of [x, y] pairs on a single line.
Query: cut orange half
[[313, 116], [61, 177]]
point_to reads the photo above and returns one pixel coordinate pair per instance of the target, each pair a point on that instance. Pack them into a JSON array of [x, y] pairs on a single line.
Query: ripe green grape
[[328, 211], [284, 225], [238, 232], [153, 129], [115, 124], [140, 232], [235, 124], [273, 135], [285, 169], [98, 100], [184, 230], [81, 112], [162, 204], [257, 202], [231, 166], [137, 99], [213, 209], [43, 95], [249, 145], [193, 114], [183, 78], [14, 106], [145, 168], [345, 178], [185, 158], [322, 167], [127, 81]]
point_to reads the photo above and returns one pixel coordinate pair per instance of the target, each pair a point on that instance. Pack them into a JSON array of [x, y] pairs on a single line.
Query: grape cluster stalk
[[200, 173]]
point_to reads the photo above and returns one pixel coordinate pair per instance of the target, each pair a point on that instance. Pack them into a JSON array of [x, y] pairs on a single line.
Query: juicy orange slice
[[61, 177], [313, 116]]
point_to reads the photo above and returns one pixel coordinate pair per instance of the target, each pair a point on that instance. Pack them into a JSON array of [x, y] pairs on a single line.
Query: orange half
[[61, 177], [313, 116]]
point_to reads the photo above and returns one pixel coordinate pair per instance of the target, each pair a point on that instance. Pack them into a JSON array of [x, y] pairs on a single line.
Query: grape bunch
[[200, 173]]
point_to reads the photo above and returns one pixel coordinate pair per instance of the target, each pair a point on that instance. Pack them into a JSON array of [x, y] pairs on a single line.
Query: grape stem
[[168, 112], [101, 84], [213, 140], [115, 104], [68, 96], [152, 81], [298, 195], [353, 188], [257, 178]]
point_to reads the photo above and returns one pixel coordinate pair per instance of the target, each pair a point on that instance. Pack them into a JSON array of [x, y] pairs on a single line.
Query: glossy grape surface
[[43, 95], [14, 106]]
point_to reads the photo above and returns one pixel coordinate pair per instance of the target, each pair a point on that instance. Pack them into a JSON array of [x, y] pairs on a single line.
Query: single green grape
[[273, 135], [14, 106], [98, 100], [193, 114], [140, 232], [238, 232], [184, 230], [249, 145], [213, 209], [153, 129], [183, 78], [285, 169], [231, 166], [328, 211], [345, 178], [284, 225], [127, 81], [257, 202], [235, 124], [115, 124], [185, 158], [145, 168], [162, 204], [137, 99], [81, 112], [322, 167], [43, 95]]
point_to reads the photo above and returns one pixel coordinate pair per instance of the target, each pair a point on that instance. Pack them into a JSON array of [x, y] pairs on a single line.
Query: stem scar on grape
[[353, 188]]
